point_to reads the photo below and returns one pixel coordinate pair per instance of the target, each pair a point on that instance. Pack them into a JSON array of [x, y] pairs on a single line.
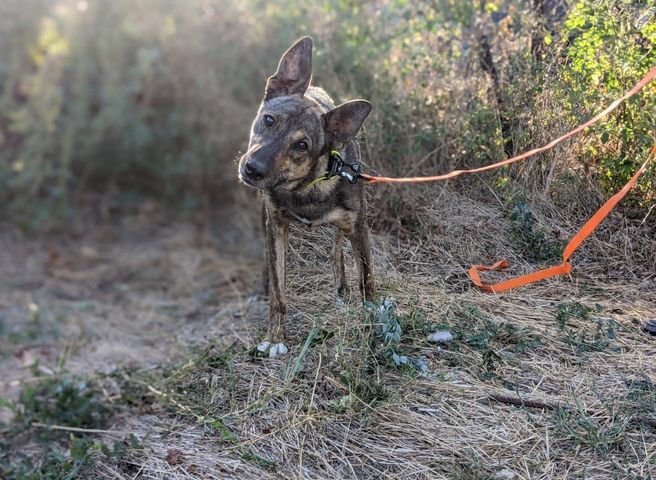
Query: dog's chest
[[340, 217], [315, 213]]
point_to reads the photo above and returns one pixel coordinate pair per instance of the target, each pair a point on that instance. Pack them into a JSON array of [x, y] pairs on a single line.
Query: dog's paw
[[277, 350], [274, 349], [263, 347]]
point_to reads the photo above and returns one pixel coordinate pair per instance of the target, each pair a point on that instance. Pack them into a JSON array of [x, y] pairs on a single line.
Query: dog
[[297, 135]]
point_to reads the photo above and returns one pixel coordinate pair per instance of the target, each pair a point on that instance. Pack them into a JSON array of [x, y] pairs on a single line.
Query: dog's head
[[291, 131]]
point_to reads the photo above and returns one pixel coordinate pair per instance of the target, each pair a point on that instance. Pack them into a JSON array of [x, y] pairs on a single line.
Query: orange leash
[[564, 268], [456, 173]]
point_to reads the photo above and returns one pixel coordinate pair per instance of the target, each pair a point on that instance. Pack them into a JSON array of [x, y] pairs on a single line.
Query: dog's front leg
[[277, 234], [265, 270], [359, 238]]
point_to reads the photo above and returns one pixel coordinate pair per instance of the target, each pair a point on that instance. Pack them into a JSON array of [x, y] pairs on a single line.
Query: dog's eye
[[302, 145], [268, 119]]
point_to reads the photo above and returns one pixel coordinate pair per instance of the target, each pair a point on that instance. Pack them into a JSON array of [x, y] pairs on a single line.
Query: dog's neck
[[315, 180]]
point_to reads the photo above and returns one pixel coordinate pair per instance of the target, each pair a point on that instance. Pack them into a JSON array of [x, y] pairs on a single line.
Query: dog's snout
[[257, 163], [255, 170]]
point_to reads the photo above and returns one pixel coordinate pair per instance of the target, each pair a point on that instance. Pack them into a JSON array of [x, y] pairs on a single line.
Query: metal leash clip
[[337, 164]]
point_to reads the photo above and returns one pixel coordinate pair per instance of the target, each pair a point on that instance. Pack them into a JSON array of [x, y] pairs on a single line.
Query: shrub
[[154, 99]]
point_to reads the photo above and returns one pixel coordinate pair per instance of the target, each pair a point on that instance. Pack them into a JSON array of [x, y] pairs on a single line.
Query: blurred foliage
[[153, 99], [119, 97], [609, 45]]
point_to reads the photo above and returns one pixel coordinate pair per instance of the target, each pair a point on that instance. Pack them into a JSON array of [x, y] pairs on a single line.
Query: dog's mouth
[[264, 184], [246, 181]]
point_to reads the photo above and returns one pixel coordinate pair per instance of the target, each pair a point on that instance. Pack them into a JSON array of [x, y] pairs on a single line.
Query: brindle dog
[[296, 128]]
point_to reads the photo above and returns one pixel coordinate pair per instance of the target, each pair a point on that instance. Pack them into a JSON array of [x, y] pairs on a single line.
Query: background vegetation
[[153, 99], [128, 329]]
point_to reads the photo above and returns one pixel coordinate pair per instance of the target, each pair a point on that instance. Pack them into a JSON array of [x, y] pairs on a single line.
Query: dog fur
[[296, 127]]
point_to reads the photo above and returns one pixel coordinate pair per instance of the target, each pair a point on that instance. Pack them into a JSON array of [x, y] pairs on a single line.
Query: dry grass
[[533, 385]]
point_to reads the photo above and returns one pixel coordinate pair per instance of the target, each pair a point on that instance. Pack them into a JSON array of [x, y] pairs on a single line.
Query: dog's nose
[[254, 170]]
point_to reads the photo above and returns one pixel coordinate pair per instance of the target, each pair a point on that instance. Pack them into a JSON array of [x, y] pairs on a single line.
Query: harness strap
[[336, 168]]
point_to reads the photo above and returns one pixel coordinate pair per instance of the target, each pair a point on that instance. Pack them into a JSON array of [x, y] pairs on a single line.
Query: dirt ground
[[530, 387], [135, 292]]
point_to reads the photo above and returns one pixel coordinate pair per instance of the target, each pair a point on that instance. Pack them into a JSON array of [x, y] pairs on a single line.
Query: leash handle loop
[[564, 268]]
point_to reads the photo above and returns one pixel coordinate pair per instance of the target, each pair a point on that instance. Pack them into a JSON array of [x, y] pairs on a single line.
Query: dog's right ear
[[294, 71]]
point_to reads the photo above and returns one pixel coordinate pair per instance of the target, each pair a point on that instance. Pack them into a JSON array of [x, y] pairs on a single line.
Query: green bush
[[154, 99], [608, 46]]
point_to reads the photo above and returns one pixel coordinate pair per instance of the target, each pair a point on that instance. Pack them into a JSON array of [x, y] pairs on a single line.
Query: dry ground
[[555, 380]]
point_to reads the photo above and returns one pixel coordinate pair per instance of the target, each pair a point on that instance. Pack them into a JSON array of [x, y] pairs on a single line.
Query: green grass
[[31, 329], [59, 414], [583, 332]]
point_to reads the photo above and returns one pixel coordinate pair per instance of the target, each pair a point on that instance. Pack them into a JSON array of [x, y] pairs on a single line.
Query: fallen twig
[[522, 402], [78, 429]]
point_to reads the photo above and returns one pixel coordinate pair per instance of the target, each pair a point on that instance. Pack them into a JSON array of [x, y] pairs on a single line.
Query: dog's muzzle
[[254, 170], [255, 165]]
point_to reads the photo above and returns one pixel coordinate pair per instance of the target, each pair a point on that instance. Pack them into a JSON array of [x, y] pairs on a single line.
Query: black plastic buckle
[[336, 167]]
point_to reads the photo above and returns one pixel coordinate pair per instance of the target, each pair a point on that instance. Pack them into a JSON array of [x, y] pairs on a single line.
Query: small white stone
[[278, 349], [505, 474], [264, 346], [441, 336]]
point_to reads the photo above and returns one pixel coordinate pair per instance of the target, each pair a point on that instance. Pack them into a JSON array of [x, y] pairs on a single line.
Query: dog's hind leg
[[338, 265], [362, 249]]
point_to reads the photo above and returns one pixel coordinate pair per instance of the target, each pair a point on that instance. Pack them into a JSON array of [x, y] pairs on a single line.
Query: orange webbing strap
[[564, 268], [456, 173]]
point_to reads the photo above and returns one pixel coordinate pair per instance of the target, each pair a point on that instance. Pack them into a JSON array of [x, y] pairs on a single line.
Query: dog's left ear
[[294, 71], [342, 123]]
